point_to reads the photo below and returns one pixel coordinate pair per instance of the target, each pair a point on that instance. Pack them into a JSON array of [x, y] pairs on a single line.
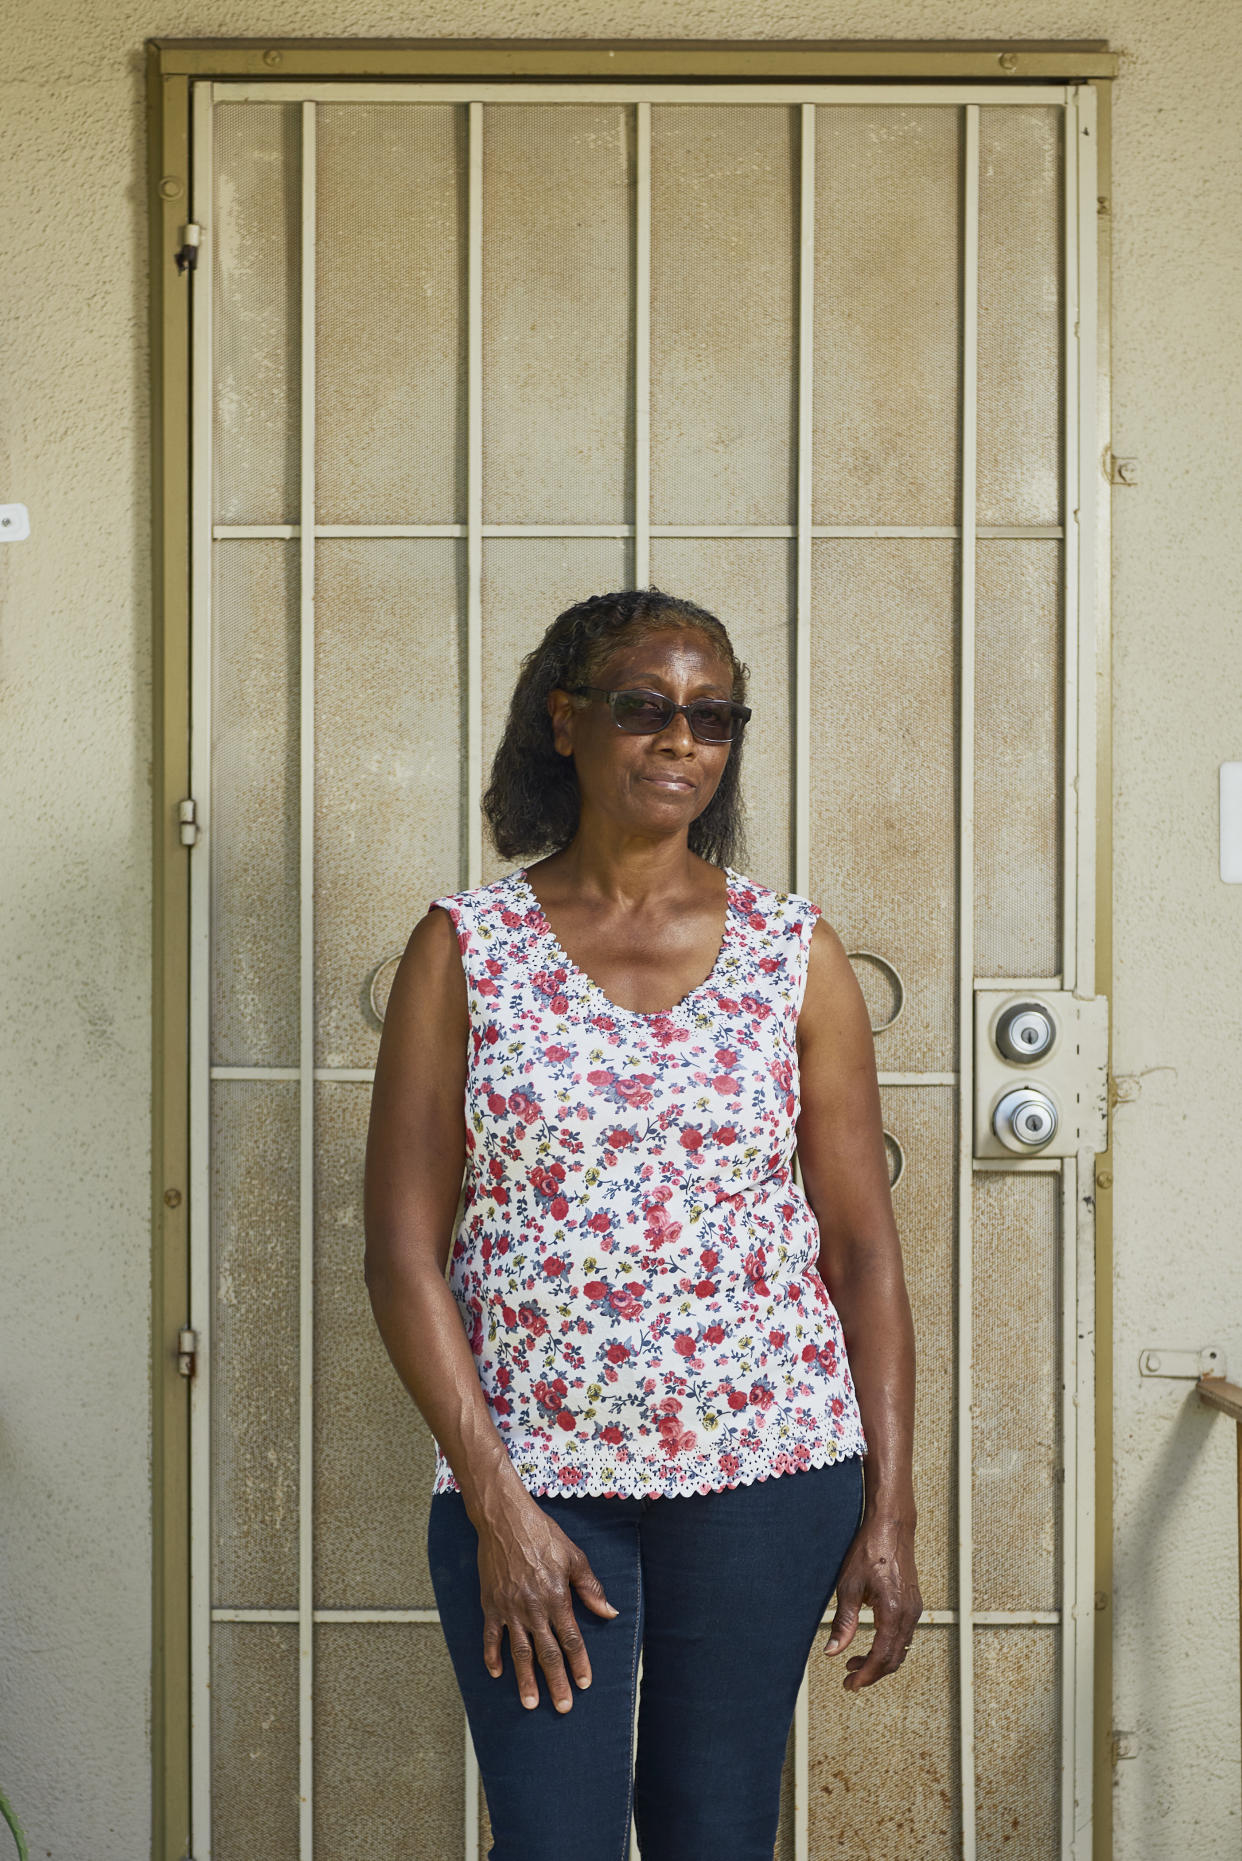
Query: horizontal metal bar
[[930, 1618], [1047, 983], [783, 95], [362, 1075], [327, 1615], [1048, 1166], [778, 532], [917, 1079]]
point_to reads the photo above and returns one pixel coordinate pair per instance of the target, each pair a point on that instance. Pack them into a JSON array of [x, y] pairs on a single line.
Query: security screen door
[[820, 358]]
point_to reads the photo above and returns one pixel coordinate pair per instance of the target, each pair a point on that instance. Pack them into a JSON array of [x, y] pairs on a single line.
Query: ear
[[562, 711]]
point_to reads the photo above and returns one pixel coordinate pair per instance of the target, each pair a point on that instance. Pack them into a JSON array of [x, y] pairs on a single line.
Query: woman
[[644, 1399]]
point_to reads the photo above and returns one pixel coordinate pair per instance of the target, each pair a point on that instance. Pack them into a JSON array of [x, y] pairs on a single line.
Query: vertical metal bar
[[306, 1059], [471, 1848], [1077, 822], [642, 346], [1080, 1608], [474, 498], [802, 748], [1069, 567], [474, 638], [1067, 1221], [966, 978], [200, 1314], [1084, 235], [1078, 957], [802, 617]]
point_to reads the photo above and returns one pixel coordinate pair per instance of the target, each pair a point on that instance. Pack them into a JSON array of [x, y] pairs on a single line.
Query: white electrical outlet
[[14, 523]]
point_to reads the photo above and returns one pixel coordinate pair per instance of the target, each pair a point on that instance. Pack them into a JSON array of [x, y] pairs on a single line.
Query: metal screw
[[273, 58], [1104, 1180], [173, 1198], [170, 187], [1008, 61], [1153, 1362]]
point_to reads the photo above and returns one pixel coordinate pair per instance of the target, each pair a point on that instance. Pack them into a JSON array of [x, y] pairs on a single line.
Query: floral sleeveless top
[[634, 1264]]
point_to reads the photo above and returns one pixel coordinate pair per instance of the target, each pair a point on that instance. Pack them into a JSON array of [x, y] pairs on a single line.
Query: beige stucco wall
[[74, 905]]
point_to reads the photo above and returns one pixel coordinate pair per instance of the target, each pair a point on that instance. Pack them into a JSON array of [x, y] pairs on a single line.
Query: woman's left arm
[[844, 1168]]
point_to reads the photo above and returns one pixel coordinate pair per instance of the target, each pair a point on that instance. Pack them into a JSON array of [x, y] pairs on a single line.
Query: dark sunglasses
[[643, 713]]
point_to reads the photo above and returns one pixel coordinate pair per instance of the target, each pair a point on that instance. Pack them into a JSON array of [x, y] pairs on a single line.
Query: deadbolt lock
[[1025, 1031], [1041, 1073]]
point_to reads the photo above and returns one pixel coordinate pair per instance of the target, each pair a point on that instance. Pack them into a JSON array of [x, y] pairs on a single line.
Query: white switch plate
[[1231, 822], [14, 523]]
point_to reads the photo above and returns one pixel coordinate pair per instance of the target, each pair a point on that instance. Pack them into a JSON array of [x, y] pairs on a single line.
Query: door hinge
[[1120, 471], [187, 1351], [187, 818], [186, 256]]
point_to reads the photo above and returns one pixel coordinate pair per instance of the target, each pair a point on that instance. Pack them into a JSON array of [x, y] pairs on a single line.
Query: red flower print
[[617, 1353], [714, 1334], [725, 1083], [809, 1353], [755, 1267], [625, 1301], [599, 1223], [553, 1265], [726, 1056], [523, 1106], [691, 1139], [726, 1134], [612, 1433], [730, 1464], [705, 1288], [497, 1104], [534, 1321], [737, 1399], [709, 1258], [564, 1419], [776, 1339], [761, 1395], [595, 1289], [558, 1208], [683, 1344], [557, 1055]]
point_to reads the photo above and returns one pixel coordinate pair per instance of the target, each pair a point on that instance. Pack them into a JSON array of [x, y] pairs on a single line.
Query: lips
[[673, 783]]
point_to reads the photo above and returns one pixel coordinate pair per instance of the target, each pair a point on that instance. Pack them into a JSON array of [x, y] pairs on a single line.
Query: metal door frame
[[769, 73]]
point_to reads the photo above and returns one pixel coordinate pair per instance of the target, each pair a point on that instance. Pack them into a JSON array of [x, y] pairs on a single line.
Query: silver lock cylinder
[[1025, 1032], [1025, 1119]]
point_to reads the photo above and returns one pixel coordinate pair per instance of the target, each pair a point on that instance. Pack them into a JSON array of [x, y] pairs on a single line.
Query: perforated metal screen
[[463, 354]]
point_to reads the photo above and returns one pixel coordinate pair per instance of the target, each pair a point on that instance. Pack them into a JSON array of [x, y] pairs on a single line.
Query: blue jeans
[[722, 1592]]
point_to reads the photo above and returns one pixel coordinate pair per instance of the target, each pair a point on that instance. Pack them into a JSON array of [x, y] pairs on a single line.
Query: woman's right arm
[[416, 1153]]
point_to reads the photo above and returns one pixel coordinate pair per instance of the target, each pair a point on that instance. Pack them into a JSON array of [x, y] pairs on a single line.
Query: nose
[[676, 736]]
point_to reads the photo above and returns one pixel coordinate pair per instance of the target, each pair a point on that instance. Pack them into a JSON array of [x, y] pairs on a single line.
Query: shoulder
[[780, 913], [477, 904]]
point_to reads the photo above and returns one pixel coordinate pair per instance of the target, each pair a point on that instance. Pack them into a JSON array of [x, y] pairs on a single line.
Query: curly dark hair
[[531, 803]]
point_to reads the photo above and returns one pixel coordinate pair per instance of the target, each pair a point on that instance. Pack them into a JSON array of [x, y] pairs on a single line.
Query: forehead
[[669, 650]]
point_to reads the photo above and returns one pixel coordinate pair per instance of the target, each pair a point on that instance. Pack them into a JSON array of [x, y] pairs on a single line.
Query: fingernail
[[584, 1683], [613, 1611], [528, 1701], [833, 1646], [563, 1705]]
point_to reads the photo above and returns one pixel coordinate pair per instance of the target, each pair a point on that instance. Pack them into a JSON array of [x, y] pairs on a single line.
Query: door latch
[[187, 1351]]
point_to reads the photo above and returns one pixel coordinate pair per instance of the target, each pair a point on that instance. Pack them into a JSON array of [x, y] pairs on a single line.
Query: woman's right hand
[[528, 1570]]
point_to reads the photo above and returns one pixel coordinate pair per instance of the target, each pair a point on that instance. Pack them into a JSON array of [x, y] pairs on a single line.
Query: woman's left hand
[[879, 1570]]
